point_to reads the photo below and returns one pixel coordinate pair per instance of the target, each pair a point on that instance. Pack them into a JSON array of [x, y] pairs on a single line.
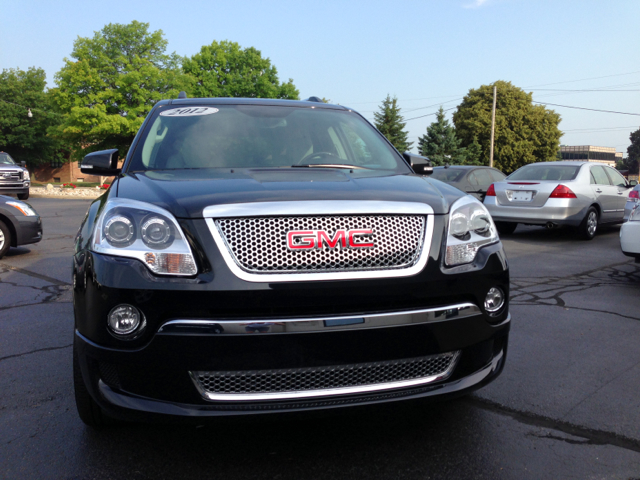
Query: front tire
[[5, 239], [23, 196], [506, 228], [589, 225], [88, 410]]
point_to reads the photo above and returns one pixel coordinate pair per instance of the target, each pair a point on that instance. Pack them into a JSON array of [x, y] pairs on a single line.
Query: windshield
[[545, 172], [5, 159], [257, 136], [448, 174]]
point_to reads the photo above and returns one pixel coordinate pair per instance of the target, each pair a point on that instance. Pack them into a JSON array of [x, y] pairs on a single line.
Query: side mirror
[[633, 183], [421, 165], [103, 162], [23, 164]]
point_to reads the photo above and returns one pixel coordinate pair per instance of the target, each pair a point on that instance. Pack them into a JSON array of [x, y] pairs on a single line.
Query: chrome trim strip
[[316, 207], [326, 324], [329, 392], [317, 276]]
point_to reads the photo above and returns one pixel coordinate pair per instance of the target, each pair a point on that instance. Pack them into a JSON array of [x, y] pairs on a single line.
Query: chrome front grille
[[259, 244], [9, 176], [324, 381]]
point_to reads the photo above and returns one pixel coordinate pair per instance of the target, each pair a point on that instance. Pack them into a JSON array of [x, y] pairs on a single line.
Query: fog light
[[124, 319], [494, 300]]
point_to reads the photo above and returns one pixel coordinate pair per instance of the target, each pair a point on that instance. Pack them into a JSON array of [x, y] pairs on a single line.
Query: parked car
[[20, 224], [630, 233], [632, 200], [553, 194], [475, 180], [14, 178], [262, 255]]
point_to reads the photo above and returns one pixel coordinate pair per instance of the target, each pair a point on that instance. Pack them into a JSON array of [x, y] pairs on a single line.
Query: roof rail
[[182, 94], [315, 99]]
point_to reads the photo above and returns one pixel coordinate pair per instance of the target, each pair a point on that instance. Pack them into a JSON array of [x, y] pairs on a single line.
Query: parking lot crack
[[48, 349], [29, 273], [591, 436]]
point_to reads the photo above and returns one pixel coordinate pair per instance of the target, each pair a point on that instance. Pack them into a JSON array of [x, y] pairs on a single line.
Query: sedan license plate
[[520, 196]]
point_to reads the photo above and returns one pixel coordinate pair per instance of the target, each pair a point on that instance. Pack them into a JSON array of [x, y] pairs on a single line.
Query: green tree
[[24, 137], [111, 83], [525, 133], [473, 153], [390, 123], [633, 153], [440, 143], [224, 69]]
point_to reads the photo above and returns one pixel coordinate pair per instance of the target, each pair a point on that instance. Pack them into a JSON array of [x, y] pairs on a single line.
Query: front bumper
[[28, 229], [630, 239], [561, 211]]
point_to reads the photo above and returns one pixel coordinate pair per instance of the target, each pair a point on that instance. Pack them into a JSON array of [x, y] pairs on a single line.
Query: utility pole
[[493, 125]]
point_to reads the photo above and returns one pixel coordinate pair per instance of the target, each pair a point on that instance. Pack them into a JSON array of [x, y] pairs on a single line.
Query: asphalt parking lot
[[566, 406]]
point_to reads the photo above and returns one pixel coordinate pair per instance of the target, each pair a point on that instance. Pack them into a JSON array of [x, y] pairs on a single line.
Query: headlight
[[634, 216], [470, 228], [128, 228], [24, 208], [25, 175]]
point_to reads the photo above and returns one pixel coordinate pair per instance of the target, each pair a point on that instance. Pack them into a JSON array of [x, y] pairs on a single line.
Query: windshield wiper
[[330, 165]]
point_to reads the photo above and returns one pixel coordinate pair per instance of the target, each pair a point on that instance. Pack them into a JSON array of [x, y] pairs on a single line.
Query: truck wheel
[[88, 410], [23, 196], [5, 239], [506, 228], [589, 225]]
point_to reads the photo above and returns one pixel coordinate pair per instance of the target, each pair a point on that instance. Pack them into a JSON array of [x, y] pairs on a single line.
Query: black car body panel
[[217, 321]]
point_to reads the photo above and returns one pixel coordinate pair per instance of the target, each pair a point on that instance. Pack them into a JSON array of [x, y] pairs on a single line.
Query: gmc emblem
[[310, 239]]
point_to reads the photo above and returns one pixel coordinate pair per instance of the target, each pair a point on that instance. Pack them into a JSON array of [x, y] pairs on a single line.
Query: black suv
[[14, 178], [271, 255]]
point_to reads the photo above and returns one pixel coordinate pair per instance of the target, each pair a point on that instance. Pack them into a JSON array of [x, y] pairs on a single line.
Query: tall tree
[[24, 137], [633, 153], [390, 123], [225, 69], [110, 84], [473, 153], [524, 132], [440, 143]]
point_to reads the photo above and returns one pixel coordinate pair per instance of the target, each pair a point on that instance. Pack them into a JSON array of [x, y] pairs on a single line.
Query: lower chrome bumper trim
[[305, 325]]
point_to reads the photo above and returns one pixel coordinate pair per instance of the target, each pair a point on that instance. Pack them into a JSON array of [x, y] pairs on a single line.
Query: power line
[[590, 109], [429, 114], [584, 79]]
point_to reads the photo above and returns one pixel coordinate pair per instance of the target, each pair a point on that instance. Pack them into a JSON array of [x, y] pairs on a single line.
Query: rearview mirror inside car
[[103, 162], [421, 165]]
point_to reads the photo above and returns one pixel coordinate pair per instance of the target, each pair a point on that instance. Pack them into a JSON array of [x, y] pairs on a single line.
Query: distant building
[[591, 153]]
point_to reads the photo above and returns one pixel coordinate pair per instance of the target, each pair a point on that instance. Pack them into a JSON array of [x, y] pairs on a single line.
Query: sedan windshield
[[5, 159], [545, 172], [260, 136]]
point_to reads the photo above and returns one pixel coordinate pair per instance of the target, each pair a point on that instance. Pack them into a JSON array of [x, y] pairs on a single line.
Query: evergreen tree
[[390, 123], [440, 143], [473, 153]]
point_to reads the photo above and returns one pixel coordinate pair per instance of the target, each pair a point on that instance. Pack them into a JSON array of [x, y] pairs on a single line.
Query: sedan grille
[[259, 245], [318, 381]]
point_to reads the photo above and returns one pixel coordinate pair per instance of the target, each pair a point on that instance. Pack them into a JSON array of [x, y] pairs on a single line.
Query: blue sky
[[427, 52]]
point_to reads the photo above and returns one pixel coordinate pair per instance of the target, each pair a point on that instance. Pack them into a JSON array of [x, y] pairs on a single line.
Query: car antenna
[[182, 94]]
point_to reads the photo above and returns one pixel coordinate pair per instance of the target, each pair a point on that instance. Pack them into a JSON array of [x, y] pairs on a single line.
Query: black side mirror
[[23, 163], [103, 162], [633, 183], [421, 165]]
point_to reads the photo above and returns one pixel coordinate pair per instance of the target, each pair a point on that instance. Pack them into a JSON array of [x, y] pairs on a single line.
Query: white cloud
[[476, 4]]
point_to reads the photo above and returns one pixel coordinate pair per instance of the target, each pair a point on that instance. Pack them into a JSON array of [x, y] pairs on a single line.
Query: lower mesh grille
[[316, 381]]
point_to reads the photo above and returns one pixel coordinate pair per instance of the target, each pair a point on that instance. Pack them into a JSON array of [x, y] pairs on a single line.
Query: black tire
[[5, 239], [506, 228], [88, 410], [589, 225], [23, 196]]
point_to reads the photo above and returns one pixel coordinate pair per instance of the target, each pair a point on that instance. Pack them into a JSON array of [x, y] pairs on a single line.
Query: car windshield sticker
[[188, 112]]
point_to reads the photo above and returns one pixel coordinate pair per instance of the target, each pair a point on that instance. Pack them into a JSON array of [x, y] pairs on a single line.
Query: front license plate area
[[519, 196]]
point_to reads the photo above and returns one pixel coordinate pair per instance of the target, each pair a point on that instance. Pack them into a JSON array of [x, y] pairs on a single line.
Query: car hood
[[185, 193]]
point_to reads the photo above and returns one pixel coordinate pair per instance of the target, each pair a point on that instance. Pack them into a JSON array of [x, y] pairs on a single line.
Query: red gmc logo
[[310, 239]]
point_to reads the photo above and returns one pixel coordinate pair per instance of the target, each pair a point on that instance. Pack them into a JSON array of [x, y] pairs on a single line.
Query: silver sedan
[[578, 194]]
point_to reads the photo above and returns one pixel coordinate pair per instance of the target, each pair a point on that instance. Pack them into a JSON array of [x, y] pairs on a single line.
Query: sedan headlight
[[470, 228], [24, 208], [129, 228]]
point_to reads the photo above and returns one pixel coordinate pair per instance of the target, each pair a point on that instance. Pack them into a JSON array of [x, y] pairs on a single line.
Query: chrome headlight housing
[[129, 228], [470, 228]]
